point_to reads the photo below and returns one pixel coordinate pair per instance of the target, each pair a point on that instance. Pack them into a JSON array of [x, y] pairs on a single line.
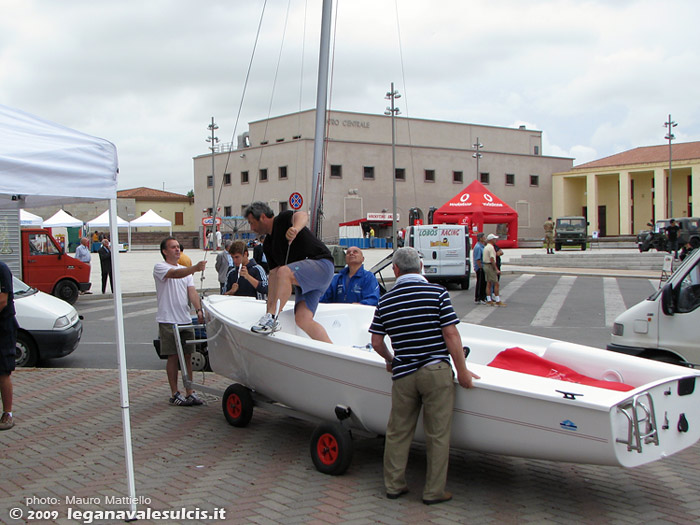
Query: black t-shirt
[[6, 287], [672, 232], [304, 246]]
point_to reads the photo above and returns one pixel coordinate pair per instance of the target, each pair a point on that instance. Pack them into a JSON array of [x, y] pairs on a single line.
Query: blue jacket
[[362, 288]]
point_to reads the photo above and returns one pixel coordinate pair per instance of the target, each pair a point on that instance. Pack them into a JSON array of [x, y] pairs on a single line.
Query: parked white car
[[48, 327]]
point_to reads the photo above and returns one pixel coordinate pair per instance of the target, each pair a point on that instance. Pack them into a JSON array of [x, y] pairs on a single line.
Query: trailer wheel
[[199, 361], [26, 353], [66, 290], [331, 448], [237, 404]]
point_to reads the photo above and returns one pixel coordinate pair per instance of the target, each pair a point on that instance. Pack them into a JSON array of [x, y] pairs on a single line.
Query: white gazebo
[[62, 219], [46, 164], [29, 219], [102, 221], [150, 219]]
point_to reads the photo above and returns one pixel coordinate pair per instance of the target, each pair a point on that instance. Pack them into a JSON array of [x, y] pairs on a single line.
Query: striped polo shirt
[[413, 314]]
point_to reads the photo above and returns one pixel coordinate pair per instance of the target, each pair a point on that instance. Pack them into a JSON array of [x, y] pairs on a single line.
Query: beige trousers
[[432, 387]]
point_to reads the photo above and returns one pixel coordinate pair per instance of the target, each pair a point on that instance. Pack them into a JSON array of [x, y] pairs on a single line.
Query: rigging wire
[[235, 127], [405, 93]]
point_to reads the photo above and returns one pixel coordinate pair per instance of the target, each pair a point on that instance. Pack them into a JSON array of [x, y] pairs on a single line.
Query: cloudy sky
[[598, 77]]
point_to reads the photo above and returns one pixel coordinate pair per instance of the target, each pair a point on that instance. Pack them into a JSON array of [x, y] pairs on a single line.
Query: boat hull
[[507, 412]]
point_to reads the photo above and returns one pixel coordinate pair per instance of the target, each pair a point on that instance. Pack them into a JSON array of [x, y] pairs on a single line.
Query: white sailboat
[[648, 411]]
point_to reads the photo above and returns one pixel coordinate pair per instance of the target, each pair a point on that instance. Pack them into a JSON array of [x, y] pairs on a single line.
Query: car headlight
[[62, 322], [618, 329]]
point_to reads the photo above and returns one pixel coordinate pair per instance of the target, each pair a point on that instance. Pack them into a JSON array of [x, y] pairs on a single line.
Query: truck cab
[[666, 325], [445, 251], [46, 267]]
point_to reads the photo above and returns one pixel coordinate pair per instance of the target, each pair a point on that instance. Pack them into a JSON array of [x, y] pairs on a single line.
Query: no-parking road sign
[[296, 200]]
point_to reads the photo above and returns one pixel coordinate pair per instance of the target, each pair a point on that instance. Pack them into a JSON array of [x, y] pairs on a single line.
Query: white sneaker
[[266, 325]]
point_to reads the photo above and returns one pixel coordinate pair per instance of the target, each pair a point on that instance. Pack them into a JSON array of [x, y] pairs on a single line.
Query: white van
[[445, 251], [48, 326], [666, 326]]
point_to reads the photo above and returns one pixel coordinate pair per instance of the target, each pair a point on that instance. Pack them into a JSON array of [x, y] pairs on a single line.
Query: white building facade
[[434, 161]]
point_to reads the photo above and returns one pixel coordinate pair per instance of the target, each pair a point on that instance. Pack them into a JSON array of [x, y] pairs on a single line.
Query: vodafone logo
[[488, 197], [464, 198]]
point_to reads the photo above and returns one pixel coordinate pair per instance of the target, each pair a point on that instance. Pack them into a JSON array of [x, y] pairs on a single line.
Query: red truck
[[46, 266]]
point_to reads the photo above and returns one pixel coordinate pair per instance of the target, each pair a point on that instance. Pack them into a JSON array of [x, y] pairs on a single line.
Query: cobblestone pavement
[[68, 444]]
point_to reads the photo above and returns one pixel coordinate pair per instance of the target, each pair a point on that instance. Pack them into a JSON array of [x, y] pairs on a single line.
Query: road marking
[[547, 313], [612, 300], [138, 313], [476, 315], [110, 306]]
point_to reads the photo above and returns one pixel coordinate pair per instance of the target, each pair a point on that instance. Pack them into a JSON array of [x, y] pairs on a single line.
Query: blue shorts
[[314, 276]]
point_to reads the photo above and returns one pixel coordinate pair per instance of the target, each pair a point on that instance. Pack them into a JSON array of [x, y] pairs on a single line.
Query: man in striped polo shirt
[[419, 319]]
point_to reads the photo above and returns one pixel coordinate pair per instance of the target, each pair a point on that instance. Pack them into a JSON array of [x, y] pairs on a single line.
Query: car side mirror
[[668, 306]]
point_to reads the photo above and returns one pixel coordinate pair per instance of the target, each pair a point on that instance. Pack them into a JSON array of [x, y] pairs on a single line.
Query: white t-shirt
[[172, 296]]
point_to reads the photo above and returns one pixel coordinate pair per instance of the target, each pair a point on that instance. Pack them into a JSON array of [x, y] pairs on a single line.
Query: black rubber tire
[[331, 448], [557, 246], [26, 353], [66, 290], [583, 247], [465, 283], [237, 405]]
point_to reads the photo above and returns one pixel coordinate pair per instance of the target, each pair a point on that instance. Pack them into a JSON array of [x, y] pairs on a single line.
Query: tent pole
[[121, 352]]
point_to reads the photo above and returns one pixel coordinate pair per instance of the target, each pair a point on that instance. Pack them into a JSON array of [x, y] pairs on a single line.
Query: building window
[[537, 150], [284, 206], [429, 175], [368, 173], [179, 218], [263, 174], [210, 181], [534, 180], [227, 211], [457, 177], [484, 178], [282, 172], [336, 171], [510, 179], [210, 211], [400, 174], [243, 207], [244, 177], [227, 179]]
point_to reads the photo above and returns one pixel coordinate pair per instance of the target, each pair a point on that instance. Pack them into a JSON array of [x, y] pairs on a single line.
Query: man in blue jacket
[[353, 284]]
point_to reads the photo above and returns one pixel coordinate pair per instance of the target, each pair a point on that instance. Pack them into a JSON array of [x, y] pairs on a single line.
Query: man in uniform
[[549, 235]]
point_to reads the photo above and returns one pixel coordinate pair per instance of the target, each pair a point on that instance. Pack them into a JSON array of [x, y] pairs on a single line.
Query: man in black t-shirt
[[296, 258]]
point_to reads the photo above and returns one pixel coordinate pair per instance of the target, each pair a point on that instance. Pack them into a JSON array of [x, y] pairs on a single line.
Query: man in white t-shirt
[[175, 291]]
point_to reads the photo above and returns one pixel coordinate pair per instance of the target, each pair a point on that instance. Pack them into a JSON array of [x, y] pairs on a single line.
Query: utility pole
[[477, 146], [393, 111], [213, 140], [670, 136]]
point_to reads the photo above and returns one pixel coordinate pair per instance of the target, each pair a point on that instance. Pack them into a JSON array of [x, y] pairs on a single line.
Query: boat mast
[[321, 102]]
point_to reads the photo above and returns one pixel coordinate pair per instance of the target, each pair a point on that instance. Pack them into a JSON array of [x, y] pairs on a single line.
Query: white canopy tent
[[29, 219], [150, 218], [102, 221], [62, 219], [43, 163]]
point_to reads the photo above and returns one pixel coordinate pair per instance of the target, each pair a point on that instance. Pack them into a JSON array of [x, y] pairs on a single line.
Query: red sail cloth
[[519, 360]]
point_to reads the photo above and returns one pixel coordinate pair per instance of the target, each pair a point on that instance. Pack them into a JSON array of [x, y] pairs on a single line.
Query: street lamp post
[[670, 136], [213, 140], [393, 111], [477, 146]]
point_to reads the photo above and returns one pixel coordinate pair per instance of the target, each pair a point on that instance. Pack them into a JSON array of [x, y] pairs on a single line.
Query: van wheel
[[26, 353], [583, 247], [67, 290], [465, 283], [557, 246]]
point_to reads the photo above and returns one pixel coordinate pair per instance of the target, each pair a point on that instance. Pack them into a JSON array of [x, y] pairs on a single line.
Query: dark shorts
[[167, 339], [8, 345], [314, 276]]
